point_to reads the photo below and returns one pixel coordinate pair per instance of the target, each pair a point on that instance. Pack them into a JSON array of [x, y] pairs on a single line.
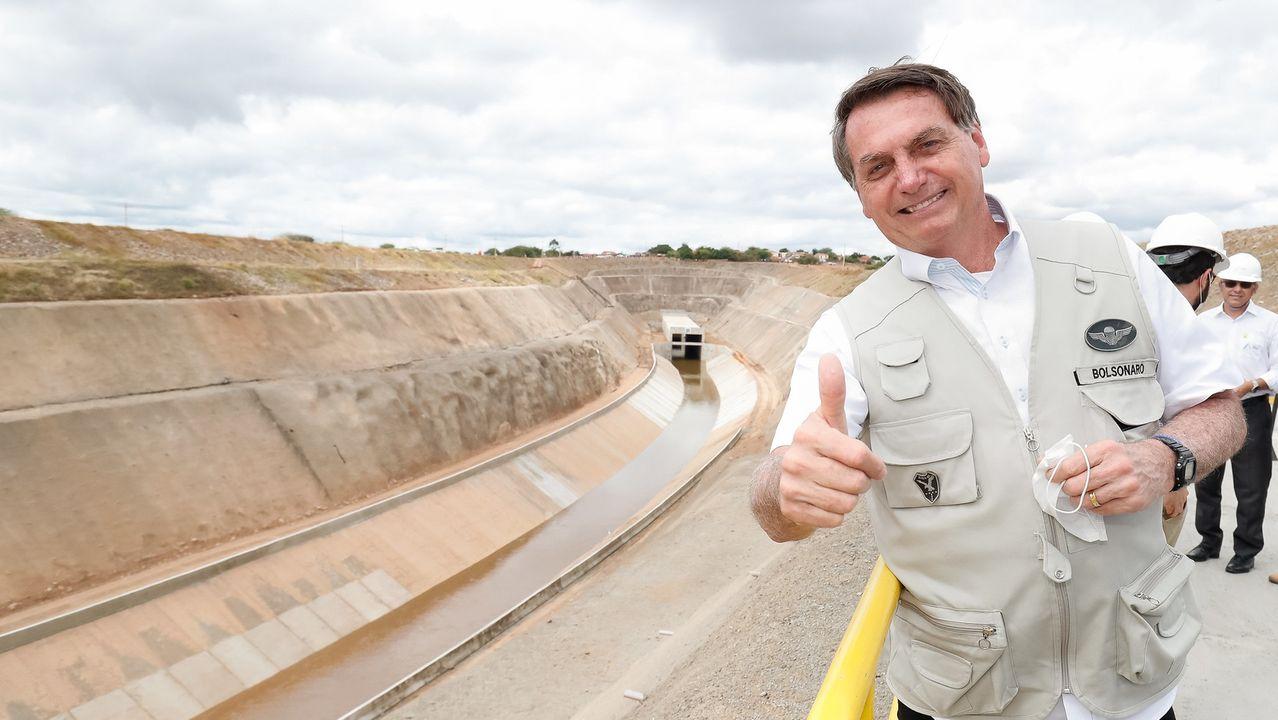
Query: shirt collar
[[947, 271], [1219, 310]]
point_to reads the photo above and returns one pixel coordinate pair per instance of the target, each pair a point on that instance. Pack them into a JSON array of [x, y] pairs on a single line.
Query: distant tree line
[[758, 254], [685, 252]]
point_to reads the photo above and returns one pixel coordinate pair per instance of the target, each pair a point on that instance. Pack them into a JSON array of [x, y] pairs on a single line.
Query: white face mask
[[1080, 521]]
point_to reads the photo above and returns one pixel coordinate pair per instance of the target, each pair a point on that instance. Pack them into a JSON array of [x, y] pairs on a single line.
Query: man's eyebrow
[[871, 157], [928, 134], [923, 136]]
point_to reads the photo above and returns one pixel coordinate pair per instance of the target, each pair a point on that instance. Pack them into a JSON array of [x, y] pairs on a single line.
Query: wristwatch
[[1186, 465]]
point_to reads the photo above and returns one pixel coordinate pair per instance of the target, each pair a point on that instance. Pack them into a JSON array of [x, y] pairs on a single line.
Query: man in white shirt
[[1250, 336], [1189, 249], [908, 141]]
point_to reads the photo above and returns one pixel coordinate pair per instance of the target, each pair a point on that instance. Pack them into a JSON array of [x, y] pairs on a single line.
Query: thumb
[[833, 390]]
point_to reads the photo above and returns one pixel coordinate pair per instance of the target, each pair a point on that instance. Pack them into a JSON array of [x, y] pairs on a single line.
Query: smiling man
[[1250, 337], [934, 389]]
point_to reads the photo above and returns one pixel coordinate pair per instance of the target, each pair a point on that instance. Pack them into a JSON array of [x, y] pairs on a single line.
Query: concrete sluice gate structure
[[204, 503]]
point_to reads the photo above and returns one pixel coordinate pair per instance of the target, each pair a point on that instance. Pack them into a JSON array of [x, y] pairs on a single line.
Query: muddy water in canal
[[362, 665]]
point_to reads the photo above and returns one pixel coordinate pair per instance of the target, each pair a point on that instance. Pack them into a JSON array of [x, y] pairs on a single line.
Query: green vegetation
[[296, 237], [807, 259], [522, 251], [387, 246], [6, 212], [662, 249]]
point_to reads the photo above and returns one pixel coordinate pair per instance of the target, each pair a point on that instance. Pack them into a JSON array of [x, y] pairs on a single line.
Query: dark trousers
[[1252, 467], [905, 713]]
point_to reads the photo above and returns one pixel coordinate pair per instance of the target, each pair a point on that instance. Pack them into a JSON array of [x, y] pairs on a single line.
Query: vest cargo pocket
[[928, 459], [1158, 620], [902, 369], [950, 662], [1132, 407]]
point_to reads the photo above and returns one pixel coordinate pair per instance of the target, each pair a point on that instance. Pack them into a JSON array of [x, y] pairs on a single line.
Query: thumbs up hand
[[824, 472]]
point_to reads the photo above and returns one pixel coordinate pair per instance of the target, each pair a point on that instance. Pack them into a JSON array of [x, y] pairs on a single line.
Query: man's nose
[[910, 176]]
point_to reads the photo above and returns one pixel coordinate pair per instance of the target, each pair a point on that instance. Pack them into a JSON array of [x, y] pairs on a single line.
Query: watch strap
[[1183, 456]]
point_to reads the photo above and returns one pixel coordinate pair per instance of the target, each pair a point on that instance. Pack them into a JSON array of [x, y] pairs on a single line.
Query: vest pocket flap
[[1173, 619], [900, 353], [923, 440], [942, 668], [1134, 401]]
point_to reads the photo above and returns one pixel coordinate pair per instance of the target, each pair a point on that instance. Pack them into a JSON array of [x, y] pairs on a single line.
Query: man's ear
[[978, 137]]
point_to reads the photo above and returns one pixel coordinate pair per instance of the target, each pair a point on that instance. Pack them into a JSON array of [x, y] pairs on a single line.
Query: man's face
[[917, 173], [1237, 297]]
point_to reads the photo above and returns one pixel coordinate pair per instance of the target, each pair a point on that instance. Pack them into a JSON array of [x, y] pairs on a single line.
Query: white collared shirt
[[1250, 342], [997, 308]]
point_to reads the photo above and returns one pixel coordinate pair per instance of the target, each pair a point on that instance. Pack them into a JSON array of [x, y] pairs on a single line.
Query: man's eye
[[931, 144]]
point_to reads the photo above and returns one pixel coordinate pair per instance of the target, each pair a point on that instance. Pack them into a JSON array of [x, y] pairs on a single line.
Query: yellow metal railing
[[847, 693]]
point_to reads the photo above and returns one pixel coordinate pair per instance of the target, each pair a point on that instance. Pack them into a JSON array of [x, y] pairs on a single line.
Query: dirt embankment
[[43, 260]]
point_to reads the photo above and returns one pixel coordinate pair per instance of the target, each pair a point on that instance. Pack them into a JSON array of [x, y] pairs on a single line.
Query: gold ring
[[1092, 497]]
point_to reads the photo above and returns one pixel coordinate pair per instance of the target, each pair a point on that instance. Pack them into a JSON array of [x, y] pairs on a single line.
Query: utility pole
[[126, 214]]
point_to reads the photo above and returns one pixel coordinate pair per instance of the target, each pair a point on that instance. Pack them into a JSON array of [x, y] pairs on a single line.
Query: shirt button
[[1003, 340], [1023, 394], [1060, 574]]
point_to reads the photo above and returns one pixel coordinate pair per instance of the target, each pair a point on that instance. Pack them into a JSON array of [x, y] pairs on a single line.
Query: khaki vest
[[1001, 610]]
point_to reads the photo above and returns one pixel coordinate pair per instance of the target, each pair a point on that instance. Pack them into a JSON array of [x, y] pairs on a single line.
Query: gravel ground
[[21, 238], [768, 659]]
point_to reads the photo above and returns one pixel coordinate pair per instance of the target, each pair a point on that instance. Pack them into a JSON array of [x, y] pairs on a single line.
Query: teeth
[[915, 208]]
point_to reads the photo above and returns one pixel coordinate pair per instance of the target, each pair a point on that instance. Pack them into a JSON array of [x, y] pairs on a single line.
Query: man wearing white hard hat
[[1189, 249], [1250, 334]]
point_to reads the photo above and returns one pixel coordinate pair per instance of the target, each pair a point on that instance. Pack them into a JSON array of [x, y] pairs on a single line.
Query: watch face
[[1191, 469]]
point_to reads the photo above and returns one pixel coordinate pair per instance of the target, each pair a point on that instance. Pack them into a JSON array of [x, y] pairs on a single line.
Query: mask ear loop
[[1087, 480]]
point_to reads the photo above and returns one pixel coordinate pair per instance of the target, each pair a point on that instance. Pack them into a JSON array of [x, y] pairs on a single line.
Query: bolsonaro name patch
[[1117, 371]]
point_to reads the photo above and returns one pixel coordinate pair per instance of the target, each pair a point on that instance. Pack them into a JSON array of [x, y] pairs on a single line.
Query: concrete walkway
[[1233, 666]]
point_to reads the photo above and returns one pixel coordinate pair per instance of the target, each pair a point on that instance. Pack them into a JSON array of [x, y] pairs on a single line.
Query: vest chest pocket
[[950, 662], [928, 459], [1126, 394], [902, 369], [1158, 620]]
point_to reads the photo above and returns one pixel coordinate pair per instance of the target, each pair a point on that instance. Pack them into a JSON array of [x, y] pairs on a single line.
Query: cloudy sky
[[611, 124]]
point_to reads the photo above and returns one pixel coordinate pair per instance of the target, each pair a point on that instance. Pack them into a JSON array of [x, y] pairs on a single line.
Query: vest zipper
[[985, 631], [1063, 598], [1031, 443], [1031, 440], [1153, 580]]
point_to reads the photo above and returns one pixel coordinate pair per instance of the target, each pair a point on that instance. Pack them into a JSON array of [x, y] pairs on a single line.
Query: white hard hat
[[1244, 267], [1189, 230], [1084, 216]]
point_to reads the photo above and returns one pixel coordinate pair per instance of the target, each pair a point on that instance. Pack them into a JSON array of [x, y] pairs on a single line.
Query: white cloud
[[610, 124]]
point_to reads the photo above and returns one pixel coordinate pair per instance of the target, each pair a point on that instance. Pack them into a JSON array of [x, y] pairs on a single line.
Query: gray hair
[[881, 82]]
